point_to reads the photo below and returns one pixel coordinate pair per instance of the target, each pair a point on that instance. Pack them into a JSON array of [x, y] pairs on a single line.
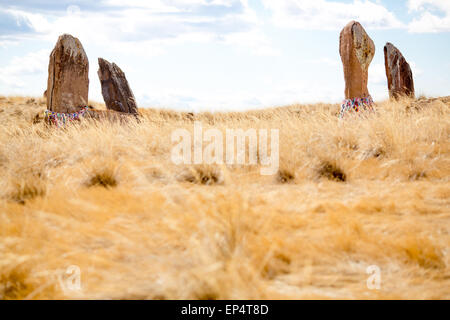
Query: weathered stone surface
[[115, 89], [68, 76], [357, 51], [398, 73]]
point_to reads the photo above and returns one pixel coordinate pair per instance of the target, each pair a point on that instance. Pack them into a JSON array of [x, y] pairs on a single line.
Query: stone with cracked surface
[[115, 88], [398, 72]]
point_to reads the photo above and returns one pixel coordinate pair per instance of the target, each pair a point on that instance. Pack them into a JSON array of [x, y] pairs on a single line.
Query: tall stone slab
[[357, 51], [68, 76], [398, 73], [115, 88]]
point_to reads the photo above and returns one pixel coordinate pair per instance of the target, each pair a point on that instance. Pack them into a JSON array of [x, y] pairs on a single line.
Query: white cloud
[[153, 6], [148, 27], [421, 4], [330, 15], [8, 43], [254, 41], [429, 20], [11, 75]]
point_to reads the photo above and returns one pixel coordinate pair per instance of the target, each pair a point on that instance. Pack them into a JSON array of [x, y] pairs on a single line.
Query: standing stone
[[115, 89], [68, 76], [357, 51], [398, 73]]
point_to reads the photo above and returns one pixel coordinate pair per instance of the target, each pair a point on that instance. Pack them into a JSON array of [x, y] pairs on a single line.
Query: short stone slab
[[115, 88], [398, 73]]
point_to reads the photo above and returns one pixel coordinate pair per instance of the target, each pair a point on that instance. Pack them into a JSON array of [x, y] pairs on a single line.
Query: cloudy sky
[[224, 54]]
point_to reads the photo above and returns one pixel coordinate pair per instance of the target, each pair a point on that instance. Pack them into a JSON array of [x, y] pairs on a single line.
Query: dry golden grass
[[106, 198]]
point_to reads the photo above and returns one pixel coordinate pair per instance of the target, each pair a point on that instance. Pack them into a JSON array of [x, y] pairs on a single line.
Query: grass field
[[106, 197]]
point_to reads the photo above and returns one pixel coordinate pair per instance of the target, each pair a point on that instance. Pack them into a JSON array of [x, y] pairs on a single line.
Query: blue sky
[[215, 55]]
